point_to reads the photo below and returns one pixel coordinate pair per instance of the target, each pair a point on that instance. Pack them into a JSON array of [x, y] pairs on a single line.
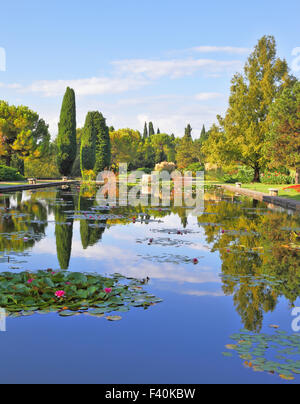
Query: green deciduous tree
[[163, 146], [185, 152], [124, 147], [66, 140], [283, 142], [147, 154], [45, 166], [22, 133], [244, 129]]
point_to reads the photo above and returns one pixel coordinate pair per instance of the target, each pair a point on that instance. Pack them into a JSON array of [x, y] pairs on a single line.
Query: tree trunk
[[8, 160], [256, 174], [297, 178]]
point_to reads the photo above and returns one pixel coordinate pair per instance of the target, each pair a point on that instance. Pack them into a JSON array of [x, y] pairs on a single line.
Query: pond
[[147, 294]]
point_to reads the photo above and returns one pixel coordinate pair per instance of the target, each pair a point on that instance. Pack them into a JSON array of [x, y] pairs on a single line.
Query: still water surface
[[246, 279]]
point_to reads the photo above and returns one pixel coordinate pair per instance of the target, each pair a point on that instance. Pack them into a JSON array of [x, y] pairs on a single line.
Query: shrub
[[242, 174], [88, 175], [165, 166], [146, 170], [194, 167], [44, 167], [276, 178], [10, 174]]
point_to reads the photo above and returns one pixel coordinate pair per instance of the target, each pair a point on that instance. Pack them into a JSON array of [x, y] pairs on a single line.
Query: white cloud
[[175, 68], [224, 49], [2, 60], [88, 86], [172, 117], [202, 293], [12, 86], [130, 74], [121, 261], [169, 112], [207, 96]]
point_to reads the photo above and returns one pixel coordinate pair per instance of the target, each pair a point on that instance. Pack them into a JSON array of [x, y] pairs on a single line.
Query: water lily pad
[[79, 292], [113, 318], [227, 354]]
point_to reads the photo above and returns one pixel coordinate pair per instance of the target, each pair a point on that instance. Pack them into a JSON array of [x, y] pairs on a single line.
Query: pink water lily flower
[[30, 280], [60, 293], [108, 290], [68, 283]]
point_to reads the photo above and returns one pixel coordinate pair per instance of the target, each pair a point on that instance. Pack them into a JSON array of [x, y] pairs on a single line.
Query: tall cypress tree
[[103, 145], [151, 129], [158, 131], [188, 132], [66, 139], [88, 144], [203, 136], [203, 132], [145, 134]]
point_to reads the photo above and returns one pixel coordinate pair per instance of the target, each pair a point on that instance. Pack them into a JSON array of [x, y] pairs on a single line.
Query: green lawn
[[4, 184], [288, 193]]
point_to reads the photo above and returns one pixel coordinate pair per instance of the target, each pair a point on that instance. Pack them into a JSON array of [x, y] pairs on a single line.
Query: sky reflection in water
[[247, 276]]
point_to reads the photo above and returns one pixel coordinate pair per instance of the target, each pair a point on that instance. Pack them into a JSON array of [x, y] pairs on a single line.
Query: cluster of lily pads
[[71, 293], [253, 280], [275, 354], [165, 242]]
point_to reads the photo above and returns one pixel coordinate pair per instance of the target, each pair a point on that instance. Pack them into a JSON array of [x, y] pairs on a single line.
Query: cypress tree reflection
[[89, 235], [63, 228]]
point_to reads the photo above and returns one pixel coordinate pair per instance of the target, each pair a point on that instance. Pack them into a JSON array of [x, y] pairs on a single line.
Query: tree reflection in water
[[260, 256]]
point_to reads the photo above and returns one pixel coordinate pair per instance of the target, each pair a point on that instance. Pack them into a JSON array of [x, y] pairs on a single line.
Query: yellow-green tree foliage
[[244, 128], [124, 146], [22, 133], [283, 142]]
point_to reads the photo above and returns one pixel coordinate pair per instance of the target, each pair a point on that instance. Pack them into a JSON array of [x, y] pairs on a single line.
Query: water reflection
[[22, 223], [253, 249], [91, 231], [259, 249], [63, 228]]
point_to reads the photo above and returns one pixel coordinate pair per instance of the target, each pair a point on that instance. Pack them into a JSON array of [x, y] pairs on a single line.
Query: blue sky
[[168, 61]]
